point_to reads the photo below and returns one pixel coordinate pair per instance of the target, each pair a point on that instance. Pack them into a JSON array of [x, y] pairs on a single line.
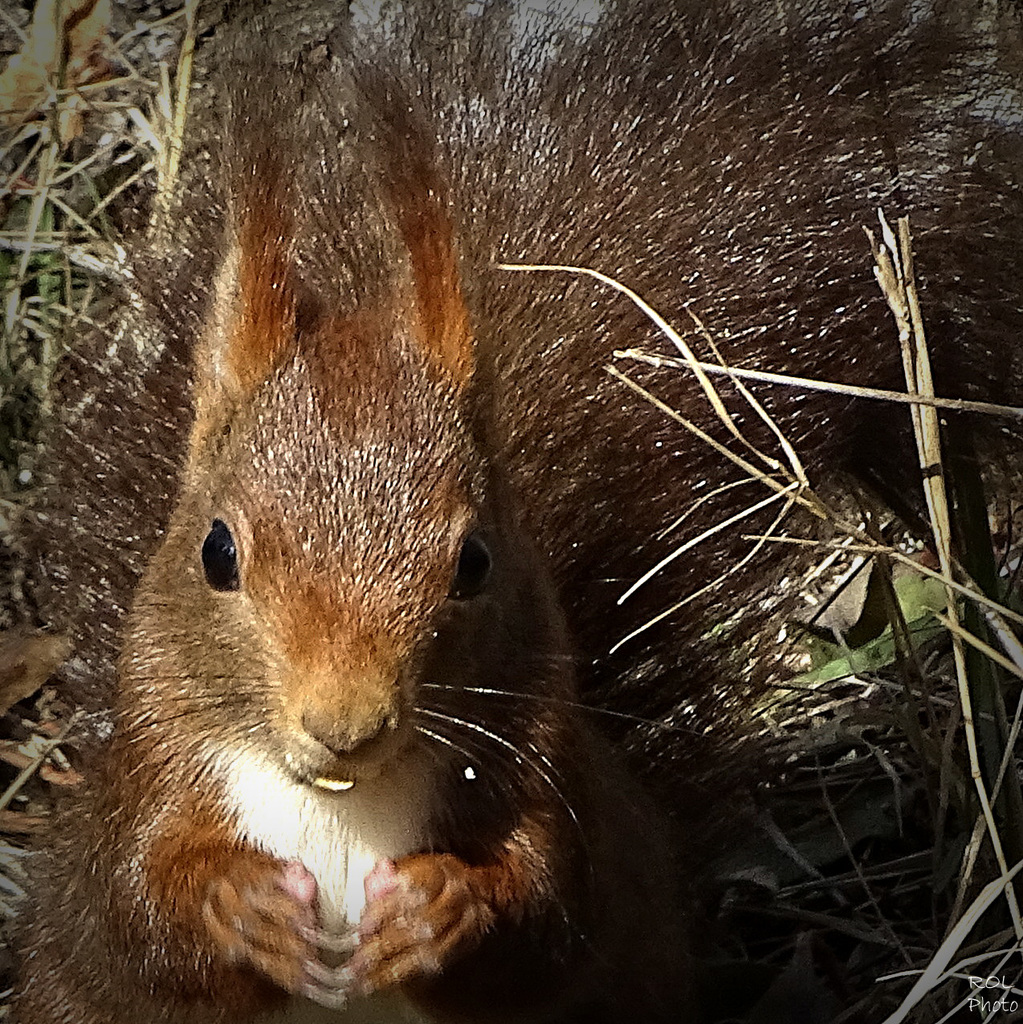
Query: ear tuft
[[252, 323], [444, 330], [266, 305], [418, 195]]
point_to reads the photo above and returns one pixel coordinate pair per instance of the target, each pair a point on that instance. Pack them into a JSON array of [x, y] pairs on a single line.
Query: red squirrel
[[385, 744]]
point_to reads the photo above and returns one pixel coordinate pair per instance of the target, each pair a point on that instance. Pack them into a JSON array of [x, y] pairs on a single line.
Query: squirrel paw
[[265, 916], [420, 913]]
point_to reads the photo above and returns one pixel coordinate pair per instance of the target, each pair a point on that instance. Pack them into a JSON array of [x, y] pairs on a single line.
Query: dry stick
[[977, 644], [76, 255], [778, 519], [934, 974], [82, 165], [838, 550], [918, 376], [792, 491], [978, 952], [884, 924], [74, 219], [1006, 637], [931, 456], [670, 333], [1014, 651], [804, 496], [168, 169], [148, 133], [1012, 664], [831, 387], [969, 859], [666, 531], [894, 273], [706, 534], [949, 779], [794, 461], [119, 188], [19, 172], [184, 76], [900, 292], [29, 770], [796, 488], [1014, 667], [808, 500], [873, 548]]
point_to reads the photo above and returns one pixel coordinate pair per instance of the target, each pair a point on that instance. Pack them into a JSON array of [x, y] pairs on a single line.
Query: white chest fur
[[338, 837]]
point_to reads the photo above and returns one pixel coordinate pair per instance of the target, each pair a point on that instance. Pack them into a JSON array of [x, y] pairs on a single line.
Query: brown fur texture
[[368, 388]]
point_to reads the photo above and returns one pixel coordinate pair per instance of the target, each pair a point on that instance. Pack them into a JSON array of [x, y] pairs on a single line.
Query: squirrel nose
[[343, 735]]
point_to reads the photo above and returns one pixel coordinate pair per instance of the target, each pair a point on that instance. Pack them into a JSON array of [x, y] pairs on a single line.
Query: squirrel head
[[344, 560]]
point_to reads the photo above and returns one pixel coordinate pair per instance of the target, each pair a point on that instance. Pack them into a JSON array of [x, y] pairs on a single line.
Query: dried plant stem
[[30, 769], [894, 273], [935, 972], [830, 387], [170, 153], [778, 486], [690, 361], [999, 611]]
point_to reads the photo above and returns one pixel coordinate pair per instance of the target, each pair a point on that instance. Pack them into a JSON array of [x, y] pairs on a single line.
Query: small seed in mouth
[[334, 785]]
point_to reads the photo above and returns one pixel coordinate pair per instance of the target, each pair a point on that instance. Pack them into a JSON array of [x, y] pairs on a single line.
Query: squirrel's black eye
[[473, 568], [220, 557]]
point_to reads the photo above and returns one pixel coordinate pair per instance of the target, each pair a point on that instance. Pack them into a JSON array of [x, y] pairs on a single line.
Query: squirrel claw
[[329, 942], [331, 977], [327, 986], [255, 911], [421, 912], [332, 999]]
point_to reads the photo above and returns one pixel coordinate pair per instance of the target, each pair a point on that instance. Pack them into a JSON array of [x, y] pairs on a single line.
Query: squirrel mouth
[[333, 785], [338, 772], [320, 776]]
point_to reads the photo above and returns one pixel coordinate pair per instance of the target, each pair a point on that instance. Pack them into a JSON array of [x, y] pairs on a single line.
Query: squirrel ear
[[252, 322], [419, 198], [444, 332]]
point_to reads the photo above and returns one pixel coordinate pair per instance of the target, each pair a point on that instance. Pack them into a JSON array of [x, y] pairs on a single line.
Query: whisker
[[489, 691], [163, 677], [519, 755], [440, 738], [187, 709], [447, 741]]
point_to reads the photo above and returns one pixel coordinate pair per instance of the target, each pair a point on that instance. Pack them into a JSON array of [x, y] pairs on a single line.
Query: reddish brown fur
[[263, 301], [264, 328], [351, 437], [419, 197], [193, 852], [425, 225], [256, 321]]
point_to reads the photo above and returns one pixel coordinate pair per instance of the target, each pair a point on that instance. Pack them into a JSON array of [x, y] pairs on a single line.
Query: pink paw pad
[[298, 883], [381, 881]]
